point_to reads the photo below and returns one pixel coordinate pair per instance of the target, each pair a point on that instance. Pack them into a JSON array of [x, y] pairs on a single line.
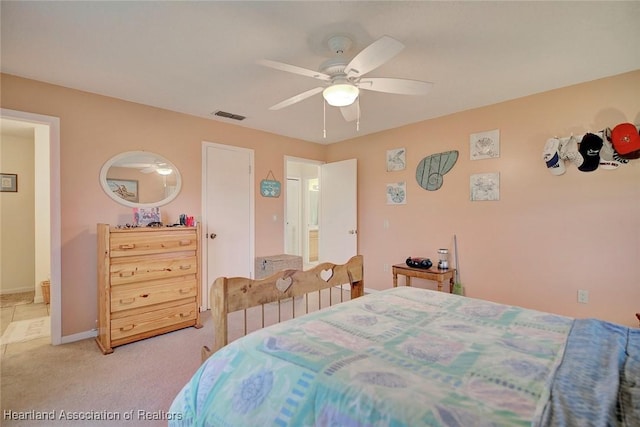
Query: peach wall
[[94, 128], [546, 237]]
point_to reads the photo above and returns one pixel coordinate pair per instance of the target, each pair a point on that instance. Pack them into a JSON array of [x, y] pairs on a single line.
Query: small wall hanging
[[270, 187], [485, 186], [9, 182], [397, 193], [396, 160], [430, 171], [485, 145]]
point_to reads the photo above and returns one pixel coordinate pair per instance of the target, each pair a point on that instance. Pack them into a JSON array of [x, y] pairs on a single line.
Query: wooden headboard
[[228, 295]]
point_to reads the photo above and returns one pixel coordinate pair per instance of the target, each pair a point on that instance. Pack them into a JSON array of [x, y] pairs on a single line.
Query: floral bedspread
[[400, 357]]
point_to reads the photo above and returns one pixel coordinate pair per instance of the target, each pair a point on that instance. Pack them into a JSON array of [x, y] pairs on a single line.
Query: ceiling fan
[[158, 167], [343, 78]]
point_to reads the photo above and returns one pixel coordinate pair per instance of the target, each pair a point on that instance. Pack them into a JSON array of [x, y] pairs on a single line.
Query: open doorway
[[302, 198], [43, 134]]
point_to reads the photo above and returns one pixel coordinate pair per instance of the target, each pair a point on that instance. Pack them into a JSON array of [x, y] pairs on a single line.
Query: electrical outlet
[[385, 268], [583, 296]]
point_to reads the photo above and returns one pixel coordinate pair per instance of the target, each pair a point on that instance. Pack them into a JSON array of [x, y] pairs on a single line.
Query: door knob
[[212, 236]]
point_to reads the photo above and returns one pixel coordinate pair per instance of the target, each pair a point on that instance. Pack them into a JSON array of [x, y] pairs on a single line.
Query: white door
[[338, 235], [292, 234], [228, 226]]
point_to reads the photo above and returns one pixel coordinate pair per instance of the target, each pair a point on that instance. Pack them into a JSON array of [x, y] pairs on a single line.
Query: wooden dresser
[[148, 283]]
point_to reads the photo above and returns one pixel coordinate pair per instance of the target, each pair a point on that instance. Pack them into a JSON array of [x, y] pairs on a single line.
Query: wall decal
[[430, 171], [485, 145]]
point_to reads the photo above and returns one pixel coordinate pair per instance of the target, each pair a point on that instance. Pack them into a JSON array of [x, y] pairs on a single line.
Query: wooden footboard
[[228, 295]]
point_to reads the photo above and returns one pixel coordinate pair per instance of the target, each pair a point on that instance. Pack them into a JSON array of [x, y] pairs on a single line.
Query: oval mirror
[[140, 179]]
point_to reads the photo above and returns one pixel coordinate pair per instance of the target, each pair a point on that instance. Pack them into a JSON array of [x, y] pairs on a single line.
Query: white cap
[[551, 157]]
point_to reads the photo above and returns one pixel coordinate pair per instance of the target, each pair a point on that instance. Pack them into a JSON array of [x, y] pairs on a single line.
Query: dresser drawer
[[133, 295], [147, 242], [140, 269], [144, 322]]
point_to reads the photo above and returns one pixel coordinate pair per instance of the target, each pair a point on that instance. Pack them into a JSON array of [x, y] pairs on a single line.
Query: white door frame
[[53, 123], [203, 229]]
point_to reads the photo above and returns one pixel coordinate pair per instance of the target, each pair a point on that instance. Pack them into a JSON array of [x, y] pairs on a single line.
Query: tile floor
[[22, 312]]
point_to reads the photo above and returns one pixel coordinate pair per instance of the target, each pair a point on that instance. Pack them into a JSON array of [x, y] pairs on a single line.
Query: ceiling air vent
[[229, 115]]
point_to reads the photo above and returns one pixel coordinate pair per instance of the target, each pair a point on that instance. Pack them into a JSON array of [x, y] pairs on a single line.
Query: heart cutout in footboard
[[326, 275], [284, 283]]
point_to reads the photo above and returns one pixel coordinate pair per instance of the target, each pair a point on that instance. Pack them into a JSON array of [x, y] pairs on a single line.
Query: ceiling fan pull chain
[[324, 118], [358, 122]]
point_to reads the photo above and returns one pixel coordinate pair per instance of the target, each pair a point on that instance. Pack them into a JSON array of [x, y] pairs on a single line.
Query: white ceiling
[[200, 57]]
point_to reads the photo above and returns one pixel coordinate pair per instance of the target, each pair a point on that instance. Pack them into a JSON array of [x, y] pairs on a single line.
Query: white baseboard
[[79, 336]]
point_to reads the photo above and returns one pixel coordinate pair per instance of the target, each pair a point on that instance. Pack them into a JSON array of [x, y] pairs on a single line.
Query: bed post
[[218, 302], [357, 282]]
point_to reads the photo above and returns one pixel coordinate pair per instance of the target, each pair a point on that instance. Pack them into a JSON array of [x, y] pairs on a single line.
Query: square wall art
[[397, 193], [485, 145], [396, 159], [485, 186]]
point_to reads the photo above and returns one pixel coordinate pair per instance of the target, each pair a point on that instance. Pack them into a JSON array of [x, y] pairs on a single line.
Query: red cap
[[625, 139]]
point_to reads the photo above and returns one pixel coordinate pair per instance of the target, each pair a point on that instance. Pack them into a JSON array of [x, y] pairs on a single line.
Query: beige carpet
[[143, 377], [77, 378], [26, 330]]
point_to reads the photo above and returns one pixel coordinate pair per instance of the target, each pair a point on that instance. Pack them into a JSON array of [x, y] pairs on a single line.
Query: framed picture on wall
[[126, 189], [9, 182]]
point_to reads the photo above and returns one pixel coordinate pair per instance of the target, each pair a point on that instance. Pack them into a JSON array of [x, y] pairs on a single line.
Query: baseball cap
[[569, 151], [626, 140], [607, 153], [551, 156], [590, 149]]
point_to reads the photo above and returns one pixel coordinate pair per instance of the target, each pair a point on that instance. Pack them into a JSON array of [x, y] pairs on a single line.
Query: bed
[[413, 357]]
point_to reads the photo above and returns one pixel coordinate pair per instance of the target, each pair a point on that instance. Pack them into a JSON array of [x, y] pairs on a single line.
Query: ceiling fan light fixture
[[164, 171], [341, 94]]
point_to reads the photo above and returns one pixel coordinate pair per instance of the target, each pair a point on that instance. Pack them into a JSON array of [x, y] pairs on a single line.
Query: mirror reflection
[[140, 179]]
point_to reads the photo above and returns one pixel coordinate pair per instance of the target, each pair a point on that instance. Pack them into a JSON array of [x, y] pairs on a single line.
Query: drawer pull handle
[[127, 273], [185, 242], [183, 315], [127, 328], [144, 295], [127, 301], [185, 291], [185, 267], [128, 246]]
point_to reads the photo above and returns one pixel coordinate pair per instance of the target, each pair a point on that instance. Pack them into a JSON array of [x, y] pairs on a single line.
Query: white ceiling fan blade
[[297, 98], [350, 112], [294, 69], [397, 86], [373, 56]]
